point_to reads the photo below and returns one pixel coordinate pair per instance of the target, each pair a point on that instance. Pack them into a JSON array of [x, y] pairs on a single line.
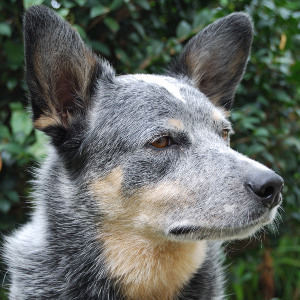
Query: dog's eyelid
[[226, 132], [228, 129], [227, 126], [162, 142], [176, 138], [157, 137]]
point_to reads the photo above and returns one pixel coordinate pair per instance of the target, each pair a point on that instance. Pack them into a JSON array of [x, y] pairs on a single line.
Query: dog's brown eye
[[225, 134], [162, 142]]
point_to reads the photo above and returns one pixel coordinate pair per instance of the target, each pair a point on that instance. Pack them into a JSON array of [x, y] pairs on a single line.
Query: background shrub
[[139, 36]]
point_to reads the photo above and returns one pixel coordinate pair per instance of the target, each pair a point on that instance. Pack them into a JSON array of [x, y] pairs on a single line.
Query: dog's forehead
[[172, 85], [180, 95], [181, 91]]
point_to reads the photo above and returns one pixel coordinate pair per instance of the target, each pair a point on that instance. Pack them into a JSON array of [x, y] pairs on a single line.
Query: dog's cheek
[[142, 170], [143, 210]]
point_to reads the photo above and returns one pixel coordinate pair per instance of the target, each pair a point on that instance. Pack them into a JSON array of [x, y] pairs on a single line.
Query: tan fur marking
[[176, 123], [220, 113], [145, 263], [108, 192], [146, 201], [45, 121], [151, 269], [217, 114]]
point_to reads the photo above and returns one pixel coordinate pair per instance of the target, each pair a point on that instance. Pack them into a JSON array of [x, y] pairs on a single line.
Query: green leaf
[[288, 261], [183, 29], [144, 4], [296, 14], [38, 149], [63, 12], [269, 4], [111, 24], [13, 148], [28, 3], [292, 141], [20, 122], [80, 30], [100, 47], [11, 83], [98, 11], [121, 55], [203, 18], [131, 7], [80, 2], [283, 96], [296, 216], [13, 196], [115, 4], [224, 3], [15, 106], [4, 132], [249, 122], [261, 132], [134, 37], [268, 157], [5, 205], [5, 29], [157, 46], [285, 13], [68, 4], [262, 100], [14, 52], [140, 29], [256, 148], [284, 249]]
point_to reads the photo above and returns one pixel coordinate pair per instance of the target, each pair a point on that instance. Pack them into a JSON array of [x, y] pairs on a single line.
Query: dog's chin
[[190, 231]]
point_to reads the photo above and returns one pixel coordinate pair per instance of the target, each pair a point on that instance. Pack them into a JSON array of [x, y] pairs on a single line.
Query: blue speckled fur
[[105, 179]]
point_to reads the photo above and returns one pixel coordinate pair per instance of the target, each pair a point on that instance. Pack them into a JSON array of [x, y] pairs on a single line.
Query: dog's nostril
[[265, 192], [267, 188]]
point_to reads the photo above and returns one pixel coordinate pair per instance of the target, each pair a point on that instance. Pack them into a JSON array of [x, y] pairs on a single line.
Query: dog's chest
[[148, 270]]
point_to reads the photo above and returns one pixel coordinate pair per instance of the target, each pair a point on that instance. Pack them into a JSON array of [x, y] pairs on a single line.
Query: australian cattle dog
[[140, 186]]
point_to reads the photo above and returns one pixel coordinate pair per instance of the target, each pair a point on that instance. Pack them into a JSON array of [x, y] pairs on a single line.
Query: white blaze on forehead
[[162, 81]]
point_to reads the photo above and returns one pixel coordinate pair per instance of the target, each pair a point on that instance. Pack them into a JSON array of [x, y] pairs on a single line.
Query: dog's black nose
[[267, 186]]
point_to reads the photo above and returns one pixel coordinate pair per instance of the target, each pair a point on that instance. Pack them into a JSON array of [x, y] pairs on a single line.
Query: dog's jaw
[[190, 231]]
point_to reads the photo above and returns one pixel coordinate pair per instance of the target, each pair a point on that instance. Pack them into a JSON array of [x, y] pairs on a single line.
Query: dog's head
[[151, 152]]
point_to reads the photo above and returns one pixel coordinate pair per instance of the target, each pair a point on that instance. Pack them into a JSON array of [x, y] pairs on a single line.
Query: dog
[[140, 186]]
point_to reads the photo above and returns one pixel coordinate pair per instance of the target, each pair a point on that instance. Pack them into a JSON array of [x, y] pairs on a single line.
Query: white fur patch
[[161, 81], [229, 208]]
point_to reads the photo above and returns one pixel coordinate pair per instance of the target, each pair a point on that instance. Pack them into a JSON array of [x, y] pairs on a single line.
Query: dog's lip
[[200, 232], [183, 230]]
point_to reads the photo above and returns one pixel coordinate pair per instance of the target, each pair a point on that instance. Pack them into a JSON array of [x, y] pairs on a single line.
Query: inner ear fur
[[215, 59], [61, 71]]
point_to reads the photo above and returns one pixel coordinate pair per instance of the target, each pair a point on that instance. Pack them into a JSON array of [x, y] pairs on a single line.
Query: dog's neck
[[151, 269]]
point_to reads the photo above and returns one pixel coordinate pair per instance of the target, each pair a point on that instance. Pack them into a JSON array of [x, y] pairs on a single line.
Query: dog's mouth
[[226, 231], [182, 230]]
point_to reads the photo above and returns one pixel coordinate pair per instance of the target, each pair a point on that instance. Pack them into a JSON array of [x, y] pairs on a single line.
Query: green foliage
[[143, 36]]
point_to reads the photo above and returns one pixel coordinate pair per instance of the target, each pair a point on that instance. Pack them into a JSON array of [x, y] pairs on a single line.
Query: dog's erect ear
[[216, 57], [61, 71]]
